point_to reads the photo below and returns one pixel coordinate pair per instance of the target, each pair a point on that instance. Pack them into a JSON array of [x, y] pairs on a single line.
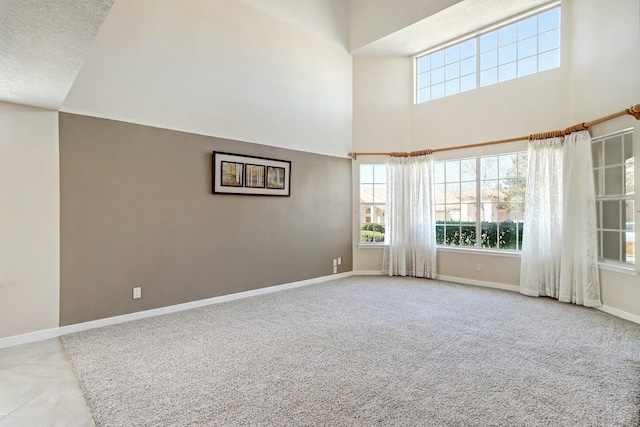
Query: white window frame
[[478, 205], [600, 168], [513, 58]]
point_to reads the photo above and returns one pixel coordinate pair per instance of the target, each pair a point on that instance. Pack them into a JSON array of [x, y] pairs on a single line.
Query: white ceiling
[[44, 43]]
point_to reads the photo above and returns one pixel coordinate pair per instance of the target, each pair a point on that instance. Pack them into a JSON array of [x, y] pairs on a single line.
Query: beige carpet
[[366, 351]]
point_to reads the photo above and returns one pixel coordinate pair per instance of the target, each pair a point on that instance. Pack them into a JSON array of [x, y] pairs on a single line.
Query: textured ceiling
[[43, 44]]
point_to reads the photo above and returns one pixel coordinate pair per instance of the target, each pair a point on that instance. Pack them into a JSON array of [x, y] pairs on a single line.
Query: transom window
[[480, 201], [516, 49], [613, 172]]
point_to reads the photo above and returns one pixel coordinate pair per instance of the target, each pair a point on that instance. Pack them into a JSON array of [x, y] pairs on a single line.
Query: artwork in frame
[[258, 176]]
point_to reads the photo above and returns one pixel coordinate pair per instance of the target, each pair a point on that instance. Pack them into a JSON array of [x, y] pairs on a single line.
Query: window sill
[[370, 245], [492, 252], [630, 271]]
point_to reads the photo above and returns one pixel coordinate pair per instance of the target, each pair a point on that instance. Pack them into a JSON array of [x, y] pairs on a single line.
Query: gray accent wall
[[137, 209]]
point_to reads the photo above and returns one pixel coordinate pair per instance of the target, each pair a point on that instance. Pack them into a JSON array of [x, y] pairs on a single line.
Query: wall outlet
[[137, 293], [339, 261], [335, 269], [478, 267], [335, 262]]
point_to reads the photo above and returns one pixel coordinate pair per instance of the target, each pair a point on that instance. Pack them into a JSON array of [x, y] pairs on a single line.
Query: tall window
[[480, 201], [516, 49], [613, 172], [373, 202]]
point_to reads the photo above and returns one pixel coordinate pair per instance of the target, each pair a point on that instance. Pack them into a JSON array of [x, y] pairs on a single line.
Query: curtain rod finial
[[634, 111]]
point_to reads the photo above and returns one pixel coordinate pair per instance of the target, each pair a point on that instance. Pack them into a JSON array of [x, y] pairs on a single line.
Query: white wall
[[29, 219], [220, 68], [598, 76]]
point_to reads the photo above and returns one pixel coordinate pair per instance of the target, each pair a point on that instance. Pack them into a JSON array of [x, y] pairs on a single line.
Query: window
[[373, 202], [613, 173], [517, 49], [482, 197]]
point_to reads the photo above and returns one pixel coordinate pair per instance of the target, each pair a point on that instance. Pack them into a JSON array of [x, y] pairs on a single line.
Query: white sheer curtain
[[579, 282], [559, 246], [542, 237], [410, 237]]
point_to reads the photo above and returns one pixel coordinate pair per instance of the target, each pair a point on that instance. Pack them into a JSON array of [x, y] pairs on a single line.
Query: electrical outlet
[[478, 267], [339, 261], [137, 293], [335, 262], [335, 269]]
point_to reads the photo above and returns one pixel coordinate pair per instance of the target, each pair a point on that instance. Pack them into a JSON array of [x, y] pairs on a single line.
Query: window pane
[[549, 20], [489, 59], [507, 72], [453, 87], [489, 167], [527, 47], [468, 66], [596, 153], [441, 212], [424, 79], [468, 82], [628, 146], [452, 54], [597, 181], [549, 40], [468, 49], [380, 174], [549, 60], [452, 71], [613, 151], [629, 223], [380, 193], [527, 66], [438, 171], [489, 235], [613, 181], [366, 174], [424, 95], [611, 215], [453, 193], [437, 91], [467, 234], [468, 169], [366, 193], [437, 75], [489, 41], [507, 54], [628, 179], [452, 170], [379, 213], [439, 234], [528, 27], [437, 59], [453, 235], [611, 245], [630, 248], [507, 35], [489, 77], [424, 64], [508, 166], [468, 191], [489, 190]]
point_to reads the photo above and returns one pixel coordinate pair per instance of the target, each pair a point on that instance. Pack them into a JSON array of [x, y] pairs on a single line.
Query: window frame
[[601, 198], [478, 71], [361, 205], [479, 206]]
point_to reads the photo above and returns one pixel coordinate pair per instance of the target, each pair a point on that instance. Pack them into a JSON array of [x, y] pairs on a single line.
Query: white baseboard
[[619, 313], [482, 283], [78, 327]]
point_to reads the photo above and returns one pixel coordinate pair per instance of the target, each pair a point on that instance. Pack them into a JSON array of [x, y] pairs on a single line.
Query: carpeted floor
[[366, 351]]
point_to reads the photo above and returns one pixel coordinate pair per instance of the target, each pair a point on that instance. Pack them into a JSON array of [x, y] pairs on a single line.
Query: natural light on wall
[[514, 49]]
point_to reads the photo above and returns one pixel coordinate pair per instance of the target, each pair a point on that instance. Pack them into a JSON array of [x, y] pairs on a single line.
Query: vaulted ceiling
[[45, 43]]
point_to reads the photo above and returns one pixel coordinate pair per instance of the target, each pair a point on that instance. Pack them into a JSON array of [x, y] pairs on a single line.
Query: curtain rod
[[634, 111]]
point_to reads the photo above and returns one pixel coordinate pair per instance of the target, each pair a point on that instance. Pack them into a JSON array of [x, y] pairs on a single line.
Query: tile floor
[[38, 388]]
